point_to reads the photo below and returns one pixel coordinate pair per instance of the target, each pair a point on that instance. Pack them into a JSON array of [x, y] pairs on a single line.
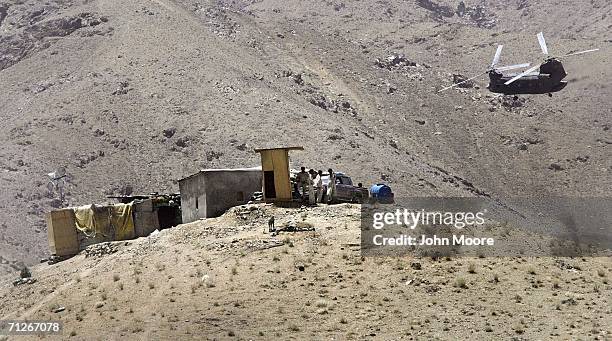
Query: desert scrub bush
[[460, 283], [25, 272], [116, 278], [472, 268]]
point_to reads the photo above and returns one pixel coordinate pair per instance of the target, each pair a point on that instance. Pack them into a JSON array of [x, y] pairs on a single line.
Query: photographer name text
[[432, 240]]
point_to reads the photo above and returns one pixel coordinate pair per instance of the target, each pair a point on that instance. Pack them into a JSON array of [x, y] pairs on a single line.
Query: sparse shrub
[[531, 271], [321, 304], [25, 272], [294, 328], [151, 286], [287, 241], [472, 268], [115, 278], [460, 283], [234, 270], [601, 273]]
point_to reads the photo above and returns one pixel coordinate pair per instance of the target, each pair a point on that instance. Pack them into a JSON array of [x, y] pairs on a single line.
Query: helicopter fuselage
[[549, 79]]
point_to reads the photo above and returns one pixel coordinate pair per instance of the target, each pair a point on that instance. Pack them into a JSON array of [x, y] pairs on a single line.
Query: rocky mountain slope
[[131, 96], [224, 278]]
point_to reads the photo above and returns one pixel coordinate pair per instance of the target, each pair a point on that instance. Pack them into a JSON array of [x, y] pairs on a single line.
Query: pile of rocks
[[101, 249], [25, 277], [394, 61], [458, 78]]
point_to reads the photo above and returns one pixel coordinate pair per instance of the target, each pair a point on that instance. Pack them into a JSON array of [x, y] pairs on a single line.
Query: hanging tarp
[[105, 223], [122, 221]]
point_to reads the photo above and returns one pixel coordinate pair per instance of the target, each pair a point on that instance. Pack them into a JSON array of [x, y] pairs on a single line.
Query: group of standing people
[[311, 182]]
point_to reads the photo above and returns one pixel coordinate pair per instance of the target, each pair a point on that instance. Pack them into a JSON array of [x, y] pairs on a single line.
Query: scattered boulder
[[212, 155], [182, 142], [99, 132], [458, 78], [101, 249], [436, 9], [556, 167], [122, 89], [169, 132], [394, 61]]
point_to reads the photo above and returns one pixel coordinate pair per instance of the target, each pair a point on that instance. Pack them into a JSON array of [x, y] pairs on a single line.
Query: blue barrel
[[381, 191]]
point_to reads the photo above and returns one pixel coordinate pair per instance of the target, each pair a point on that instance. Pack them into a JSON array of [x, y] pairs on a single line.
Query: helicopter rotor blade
[[497, 55], [512, 67], [524, 73], [465, 81], [542, 42], [580, 52]]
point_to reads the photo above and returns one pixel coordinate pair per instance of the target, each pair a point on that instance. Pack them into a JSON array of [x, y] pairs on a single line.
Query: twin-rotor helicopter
[[548, 79]]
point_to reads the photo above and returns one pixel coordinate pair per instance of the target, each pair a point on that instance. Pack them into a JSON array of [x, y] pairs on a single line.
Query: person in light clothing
[[318, 185], [331, 186], [312, 198]]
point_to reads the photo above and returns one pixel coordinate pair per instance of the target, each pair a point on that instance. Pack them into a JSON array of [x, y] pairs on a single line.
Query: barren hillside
[[223, 278], [132, 96]]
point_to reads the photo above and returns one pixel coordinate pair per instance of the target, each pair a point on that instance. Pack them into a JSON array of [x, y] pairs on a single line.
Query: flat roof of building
[[213, 170], [286, 148]]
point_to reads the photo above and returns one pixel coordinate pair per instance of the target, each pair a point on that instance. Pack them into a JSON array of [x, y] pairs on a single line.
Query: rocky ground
[[224, 278]]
